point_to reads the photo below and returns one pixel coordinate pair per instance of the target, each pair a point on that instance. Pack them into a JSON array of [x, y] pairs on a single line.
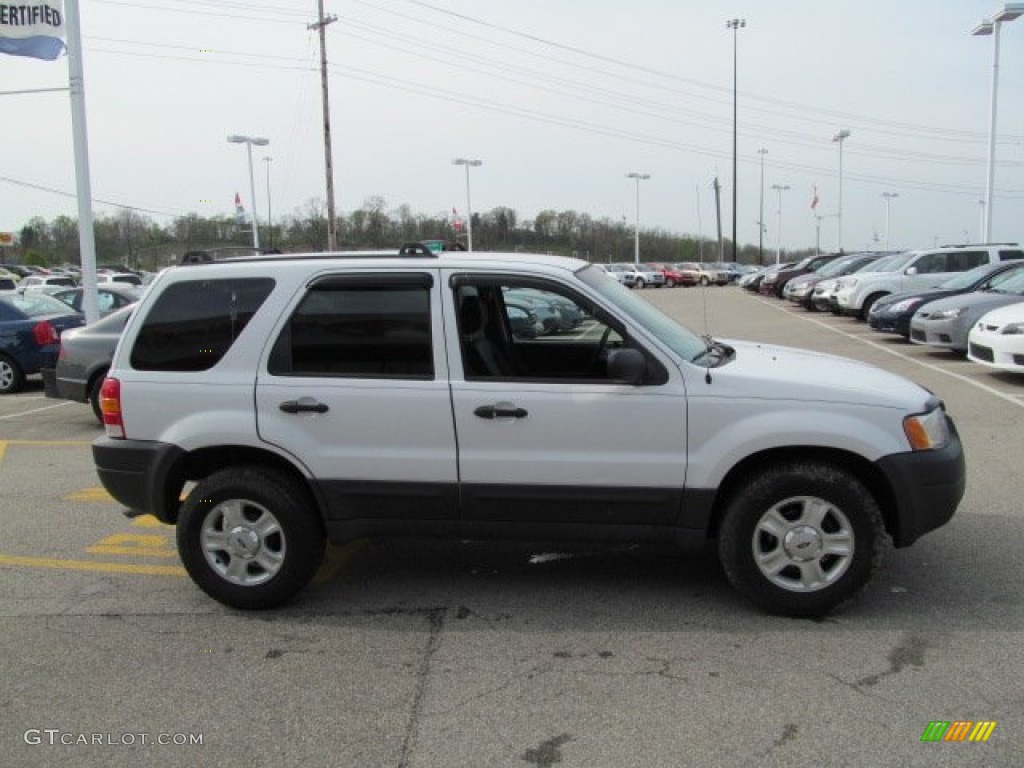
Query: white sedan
[[997, 339]]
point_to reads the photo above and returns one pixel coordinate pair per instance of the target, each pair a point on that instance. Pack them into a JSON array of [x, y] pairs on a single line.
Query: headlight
[[1013, 329], [905, 305], [846, 282], [948, 314], [927, 431]]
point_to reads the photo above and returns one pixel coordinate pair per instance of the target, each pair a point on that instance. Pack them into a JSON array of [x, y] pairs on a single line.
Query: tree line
[[136, 240]]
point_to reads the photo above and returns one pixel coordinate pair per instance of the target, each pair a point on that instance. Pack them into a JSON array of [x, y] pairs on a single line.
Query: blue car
[[30, 328]]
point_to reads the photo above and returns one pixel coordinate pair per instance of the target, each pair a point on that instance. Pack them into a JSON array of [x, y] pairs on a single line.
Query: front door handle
[[501, 411], [303, 405]]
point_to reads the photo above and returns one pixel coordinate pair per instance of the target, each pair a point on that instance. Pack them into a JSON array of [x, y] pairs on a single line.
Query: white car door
[[545, 436], [355, 387]]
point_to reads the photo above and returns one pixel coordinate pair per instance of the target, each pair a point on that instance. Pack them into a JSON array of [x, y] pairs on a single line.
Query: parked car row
[[965, 298], [684, 273]]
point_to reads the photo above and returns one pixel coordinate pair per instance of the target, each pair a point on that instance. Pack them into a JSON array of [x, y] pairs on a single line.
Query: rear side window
[[363, 327], [961, 261], [193, 324], [1008, 255]]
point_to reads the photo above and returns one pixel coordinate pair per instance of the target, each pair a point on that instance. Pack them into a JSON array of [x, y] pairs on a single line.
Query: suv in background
[[636, 275], [337, 396], [915, 271]]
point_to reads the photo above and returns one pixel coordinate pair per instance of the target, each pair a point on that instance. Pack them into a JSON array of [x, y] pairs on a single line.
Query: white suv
[[917, 271], [300, 399]]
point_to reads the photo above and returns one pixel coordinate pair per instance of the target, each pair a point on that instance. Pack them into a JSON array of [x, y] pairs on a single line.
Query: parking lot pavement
[[460, 654]]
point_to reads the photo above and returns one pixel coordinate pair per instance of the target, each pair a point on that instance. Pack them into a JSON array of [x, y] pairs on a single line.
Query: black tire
[[868, 303], [94, 395], [12, 379], [704, 281], [259, 566], [639, 283], [788, 500]]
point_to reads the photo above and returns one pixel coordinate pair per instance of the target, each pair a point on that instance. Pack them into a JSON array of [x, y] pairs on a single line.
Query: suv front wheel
[[801, 538], [249, 537]]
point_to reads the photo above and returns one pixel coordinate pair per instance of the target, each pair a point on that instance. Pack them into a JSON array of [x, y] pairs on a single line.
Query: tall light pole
[[888, 196], [1008, 12], [840, 137], [779, 188], [249, 141], [981, 226], [270, 220], [636, 234], [760, 216], [735, 25], [469, 203]]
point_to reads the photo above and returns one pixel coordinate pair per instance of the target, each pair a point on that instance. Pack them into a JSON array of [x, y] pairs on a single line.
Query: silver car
[[947, 322]]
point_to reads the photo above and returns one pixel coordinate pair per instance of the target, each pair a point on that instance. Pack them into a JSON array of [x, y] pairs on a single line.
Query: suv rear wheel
[[249, 537], [801, 538]]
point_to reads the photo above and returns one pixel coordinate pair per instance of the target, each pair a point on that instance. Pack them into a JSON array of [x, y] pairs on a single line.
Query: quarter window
[[193, 323]]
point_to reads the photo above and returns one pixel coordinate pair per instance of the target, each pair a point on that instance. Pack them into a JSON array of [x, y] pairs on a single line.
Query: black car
[[773, 285], [892, 314]]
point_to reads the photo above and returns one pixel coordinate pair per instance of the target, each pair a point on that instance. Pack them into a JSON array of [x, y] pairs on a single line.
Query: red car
[[673, 276]]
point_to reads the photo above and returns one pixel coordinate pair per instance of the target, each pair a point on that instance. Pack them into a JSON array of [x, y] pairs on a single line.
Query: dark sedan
[[892, 314], [30, 329], [84, 359], [773, 284]]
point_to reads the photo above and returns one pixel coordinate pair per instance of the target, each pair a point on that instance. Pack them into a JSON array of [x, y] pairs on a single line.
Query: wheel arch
[[865, 471], [200, 463]]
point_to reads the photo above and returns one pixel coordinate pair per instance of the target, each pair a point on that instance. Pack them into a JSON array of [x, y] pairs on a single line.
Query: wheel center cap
[[243, 542], [802, 543]]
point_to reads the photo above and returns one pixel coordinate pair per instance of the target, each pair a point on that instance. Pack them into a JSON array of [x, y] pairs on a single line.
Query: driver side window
[[531, 331]]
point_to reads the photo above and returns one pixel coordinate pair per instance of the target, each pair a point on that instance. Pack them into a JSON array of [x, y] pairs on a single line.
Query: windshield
[[837, 266], [885, 264], [670, 333], [1014, 284], [38, 305], [965, 280]]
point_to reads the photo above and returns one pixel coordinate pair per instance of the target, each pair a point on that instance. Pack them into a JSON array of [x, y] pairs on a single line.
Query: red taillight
[[110, 407], [44, 333]]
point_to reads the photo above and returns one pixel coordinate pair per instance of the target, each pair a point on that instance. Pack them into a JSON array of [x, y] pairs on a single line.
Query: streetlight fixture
[[270, 220], [636, 234], [779, 188], [1008, 12], [888, 196], [735, 25], [249, 141], [840, 137], [760, 216], [469, 204]]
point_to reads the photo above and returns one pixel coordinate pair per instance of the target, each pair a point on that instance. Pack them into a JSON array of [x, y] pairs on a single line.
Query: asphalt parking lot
[[460, 654]]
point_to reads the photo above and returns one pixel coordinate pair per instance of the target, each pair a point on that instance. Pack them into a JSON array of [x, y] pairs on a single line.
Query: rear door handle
[[303, 405], [502, 411]]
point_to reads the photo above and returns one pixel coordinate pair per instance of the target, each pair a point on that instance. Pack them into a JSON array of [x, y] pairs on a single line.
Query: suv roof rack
[[973, 245]]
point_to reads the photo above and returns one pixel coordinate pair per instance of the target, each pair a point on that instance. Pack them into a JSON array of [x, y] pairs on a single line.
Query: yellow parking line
[[94, 493], [86, 565], [336, 558]]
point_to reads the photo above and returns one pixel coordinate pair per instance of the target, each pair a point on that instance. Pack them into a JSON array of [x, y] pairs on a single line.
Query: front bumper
[[137, 474], [890, 323], [927, 487]]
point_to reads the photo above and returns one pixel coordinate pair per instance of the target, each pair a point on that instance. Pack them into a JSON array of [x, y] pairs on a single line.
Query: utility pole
[[321, 26]]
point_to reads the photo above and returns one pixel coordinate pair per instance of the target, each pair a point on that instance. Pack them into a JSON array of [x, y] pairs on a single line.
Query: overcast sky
[[560, 99]]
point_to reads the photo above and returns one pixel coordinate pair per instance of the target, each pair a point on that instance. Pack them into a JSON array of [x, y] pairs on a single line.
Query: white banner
[[32, 28]]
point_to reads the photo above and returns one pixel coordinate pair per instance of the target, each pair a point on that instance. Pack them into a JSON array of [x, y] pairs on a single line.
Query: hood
[[973, 300], [1014, 313], [786, 373]]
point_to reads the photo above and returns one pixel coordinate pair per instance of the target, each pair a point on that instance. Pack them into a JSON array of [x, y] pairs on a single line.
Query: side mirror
[[627, 366], [911, 271]]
